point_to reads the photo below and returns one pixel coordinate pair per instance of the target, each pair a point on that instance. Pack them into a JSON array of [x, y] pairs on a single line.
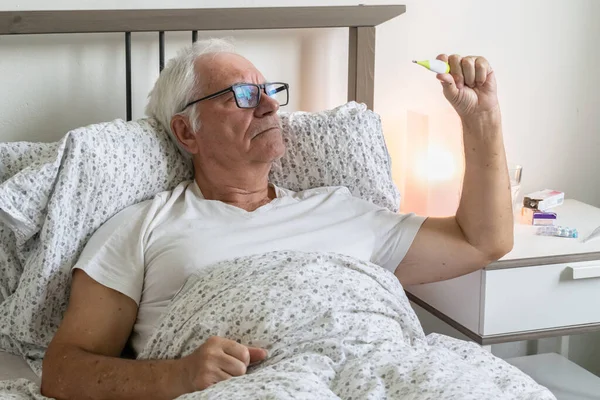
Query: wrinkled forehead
[[220, 70]]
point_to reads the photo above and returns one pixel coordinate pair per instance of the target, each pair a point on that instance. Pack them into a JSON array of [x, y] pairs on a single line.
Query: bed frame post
[[361, 65], [128, 75], [161, 51]]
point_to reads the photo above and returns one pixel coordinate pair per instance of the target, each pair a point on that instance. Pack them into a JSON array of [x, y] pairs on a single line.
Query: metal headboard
[[361, 21]]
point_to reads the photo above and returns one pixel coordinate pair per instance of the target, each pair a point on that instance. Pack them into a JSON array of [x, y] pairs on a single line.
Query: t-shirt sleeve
[[394, 234], [114, 255]]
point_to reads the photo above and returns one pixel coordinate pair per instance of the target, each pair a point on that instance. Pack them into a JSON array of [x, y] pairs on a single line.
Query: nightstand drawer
[[542, 297]]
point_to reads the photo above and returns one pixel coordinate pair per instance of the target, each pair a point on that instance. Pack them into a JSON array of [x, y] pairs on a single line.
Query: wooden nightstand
[[535, 291]]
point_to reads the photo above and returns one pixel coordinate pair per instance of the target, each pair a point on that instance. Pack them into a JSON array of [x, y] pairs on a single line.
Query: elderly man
[[222, 112]]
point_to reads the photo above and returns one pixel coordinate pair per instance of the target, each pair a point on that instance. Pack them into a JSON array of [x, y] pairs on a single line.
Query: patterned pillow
[[340, 147], [54, 196]]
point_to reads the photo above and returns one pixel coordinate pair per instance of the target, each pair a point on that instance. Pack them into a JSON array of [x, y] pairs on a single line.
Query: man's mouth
[[266, 130]]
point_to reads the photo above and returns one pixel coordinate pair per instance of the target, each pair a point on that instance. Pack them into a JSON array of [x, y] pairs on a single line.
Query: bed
[[360, 20], [14, 367], [60, 166]]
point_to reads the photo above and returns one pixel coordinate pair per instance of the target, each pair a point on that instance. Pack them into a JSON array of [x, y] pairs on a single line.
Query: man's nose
[[267, 105]]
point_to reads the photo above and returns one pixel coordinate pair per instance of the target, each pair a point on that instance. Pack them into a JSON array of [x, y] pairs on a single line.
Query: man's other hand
[[219, 359], [470, 86]]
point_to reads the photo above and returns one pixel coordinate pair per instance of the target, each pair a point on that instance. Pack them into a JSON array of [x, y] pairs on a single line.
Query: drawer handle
[[585, 272]]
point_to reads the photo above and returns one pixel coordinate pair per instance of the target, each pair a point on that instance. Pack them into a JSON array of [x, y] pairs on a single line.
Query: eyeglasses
[[247, 95]]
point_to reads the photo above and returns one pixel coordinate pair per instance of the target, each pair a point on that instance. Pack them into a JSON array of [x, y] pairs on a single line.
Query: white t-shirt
[[148, 250]]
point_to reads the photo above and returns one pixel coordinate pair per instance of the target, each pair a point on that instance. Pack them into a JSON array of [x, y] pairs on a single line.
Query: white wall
[[544, 52], [545, 57]]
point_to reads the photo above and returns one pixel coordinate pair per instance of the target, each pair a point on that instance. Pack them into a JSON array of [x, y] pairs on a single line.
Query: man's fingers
[[237, 350], [257, 355], [446, 79], [220, 375], [482, 70], [442, 57], [456, 70], [247, 355], [232, 365], [468, 69], [450, 89]]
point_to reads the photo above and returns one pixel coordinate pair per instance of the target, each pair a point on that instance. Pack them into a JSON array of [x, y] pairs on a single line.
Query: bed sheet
[[14, 367], [334, 328]]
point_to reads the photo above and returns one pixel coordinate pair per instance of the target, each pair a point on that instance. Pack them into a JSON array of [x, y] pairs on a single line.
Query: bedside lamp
[[431, 156]]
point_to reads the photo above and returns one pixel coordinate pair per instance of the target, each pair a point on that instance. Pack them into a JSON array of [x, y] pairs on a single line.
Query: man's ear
[[182, 129]]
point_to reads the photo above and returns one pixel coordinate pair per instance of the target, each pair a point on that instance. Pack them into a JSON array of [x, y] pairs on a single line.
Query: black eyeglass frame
[[232, 88]]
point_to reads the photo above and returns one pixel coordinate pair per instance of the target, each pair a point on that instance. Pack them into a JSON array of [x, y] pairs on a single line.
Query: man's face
[[228, 135]]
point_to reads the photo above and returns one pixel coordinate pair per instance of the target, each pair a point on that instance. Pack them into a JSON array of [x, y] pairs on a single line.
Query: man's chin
[[268, 150]]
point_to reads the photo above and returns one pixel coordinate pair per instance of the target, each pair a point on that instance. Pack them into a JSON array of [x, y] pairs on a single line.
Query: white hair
[[177, 83]]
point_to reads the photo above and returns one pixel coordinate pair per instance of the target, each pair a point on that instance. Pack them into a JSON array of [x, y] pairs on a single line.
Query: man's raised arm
[[482, 230]]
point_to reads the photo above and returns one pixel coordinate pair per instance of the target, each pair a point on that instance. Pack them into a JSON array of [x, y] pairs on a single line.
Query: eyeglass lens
[[278, 92], [247, 95]]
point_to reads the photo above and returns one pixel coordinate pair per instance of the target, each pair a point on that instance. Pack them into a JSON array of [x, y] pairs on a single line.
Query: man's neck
[[245, 188]]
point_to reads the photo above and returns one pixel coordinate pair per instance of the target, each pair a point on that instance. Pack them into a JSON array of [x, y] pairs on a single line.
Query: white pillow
[[54, 196]]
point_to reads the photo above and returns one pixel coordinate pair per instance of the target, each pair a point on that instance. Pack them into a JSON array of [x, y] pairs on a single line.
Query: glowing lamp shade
[[437, 165], [432, 164]]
